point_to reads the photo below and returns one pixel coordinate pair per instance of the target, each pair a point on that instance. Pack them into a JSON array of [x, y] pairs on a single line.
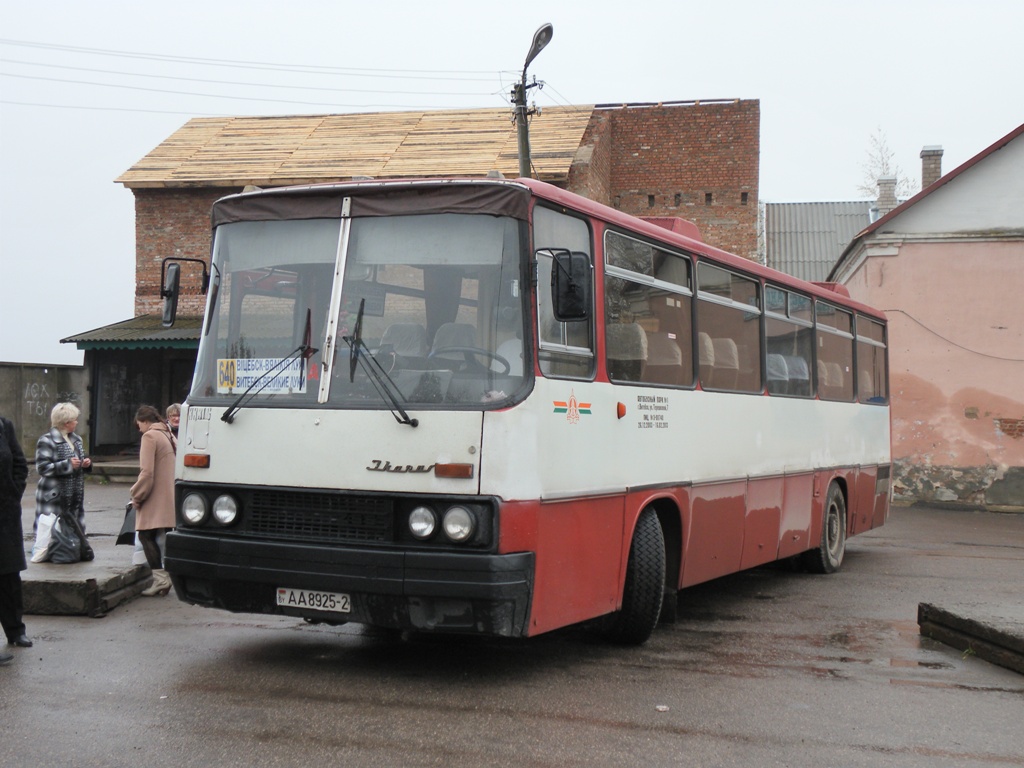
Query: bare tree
[[881, 161]]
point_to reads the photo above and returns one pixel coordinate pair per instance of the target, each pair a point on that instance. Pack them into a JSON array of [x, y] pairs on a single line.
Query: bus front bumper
[[407, 590]]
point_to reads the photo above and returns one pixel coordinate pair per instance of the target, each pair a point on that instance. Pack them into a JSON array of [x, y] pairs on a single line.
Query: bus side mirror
[[171, 281], [570, 285]]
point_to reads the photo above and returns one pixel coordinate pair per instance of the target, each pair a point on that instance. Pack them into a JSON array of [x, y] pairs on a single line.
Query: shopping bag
[[65, 541], [43, 527], [127, 533]]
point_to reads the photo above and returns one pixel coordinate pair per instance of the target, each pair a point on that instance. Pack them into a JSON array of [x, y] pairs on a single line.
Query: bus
[[493, 406]]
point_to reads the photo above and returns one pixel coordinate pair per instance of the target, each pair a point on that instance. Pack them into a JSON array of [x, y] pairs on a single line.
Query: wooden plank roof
[[304, 149]]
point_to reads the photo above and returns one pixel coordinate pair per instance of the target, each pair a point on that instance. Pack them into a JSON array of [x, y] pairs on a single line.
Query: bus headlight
[[225, 510], [459, 524], [422, 522], [193, 509]]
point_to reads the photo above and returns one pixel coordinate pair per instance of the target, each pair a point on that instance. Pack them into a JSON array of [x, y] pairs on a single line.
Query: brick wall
[[172, 223], [698, 161], [590, 172]]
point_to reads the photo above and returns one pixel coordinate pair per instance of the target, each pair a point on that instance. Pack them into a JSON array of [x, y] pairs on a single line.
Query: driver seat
[[406, 339], [453, 335]]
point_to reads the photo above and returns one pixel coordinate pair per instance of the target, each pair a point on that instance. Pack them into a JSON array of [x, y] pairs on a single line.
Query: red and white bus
[[496, 407]]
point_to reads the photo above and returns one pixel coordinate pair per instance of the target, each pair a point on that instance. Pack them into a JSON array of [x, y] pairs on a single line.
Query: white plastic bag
[[139, 554], [43, 527]]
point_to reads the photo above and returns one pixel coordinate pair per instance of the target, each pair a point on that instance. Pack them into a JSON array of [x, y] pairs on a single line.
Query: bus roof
[[231, 207]]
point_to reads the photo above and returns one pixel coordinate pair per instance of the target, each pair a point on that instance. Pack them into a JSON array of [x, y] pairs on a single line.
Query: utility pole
[[540, 39]]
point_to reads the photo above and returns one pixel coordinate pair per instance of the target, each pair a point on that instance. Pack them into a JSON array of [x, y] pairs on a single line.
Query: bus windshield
[[439, 297]]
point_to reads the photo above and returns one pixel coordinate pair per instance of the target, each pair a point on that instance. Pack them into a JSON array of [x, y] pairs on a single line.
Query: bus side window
[[647, 302], [789, 342], [729, 312], [835, 352], [871, 371]]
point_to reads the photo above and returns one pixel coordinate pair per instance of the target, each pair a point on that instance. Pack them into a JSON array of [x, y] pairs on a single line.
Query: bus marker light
[[454, 471], [620, 409], [201, 460]]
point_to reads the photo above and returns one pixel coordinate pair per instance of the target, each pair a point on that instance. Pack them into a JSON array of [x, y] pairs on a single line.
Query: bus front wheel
[[828, 555], [645, 584]]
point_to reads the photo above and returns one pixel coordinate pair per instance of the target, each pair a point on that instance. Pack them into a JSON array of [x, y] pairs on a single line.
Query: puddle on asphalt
[[922, 664]]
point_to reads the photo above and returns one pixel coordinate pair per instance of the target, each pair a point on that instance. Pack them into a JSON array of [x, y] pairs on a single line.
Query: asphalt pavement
[[989, 629]]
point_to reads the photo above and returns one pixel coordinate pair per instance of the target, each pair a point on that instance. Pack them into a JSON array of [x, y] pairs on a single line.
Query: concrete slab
[[84, 589], [995, 634]]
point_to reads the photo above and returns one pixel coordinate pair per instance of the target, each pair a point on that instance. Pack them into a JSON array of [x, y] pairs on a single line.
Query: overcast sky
[[88, 88]]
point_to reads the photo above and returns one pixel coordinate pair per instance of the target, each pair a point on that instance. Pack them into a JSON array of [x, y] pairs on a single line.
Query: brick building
[[697, 160]]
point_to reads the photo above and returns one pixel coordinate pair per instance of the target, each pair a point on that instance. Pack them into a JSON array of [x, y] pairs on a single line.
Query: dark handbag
[[127, 532], [67, 542]]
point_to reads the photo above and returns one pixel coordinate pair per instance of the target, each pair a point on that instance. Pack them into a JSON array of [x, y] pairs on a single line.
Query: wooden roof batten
[[309, 149]]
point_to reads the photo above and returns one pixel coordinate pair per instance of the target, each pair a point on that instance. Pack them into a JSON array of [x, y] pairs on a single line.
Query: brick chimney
[[931, 165], [886, 195]]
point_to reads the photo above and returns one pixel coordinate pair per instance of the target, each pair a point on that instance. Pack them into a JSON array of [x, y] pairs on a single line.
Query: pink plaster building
[[947, 267]]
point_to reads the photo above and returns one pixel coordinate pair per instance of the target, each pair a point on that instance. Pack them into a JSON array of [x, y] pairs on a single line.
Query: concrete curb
[[84, 589], [81, 589], [996, 639]]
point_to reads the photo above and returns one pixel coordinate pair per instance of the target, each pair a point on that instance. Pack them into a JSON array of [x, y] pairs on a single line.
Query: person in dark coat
[[13, 474]]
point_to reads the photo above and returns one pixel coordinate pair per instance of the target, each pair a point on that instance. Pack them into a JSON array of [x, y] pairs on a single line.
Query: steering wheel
[[470, 354]]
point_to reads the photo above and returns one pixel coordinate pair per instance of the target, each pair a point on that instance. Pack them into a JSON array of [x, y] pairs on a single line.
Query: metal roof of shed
[[806, 239], [143, 332]]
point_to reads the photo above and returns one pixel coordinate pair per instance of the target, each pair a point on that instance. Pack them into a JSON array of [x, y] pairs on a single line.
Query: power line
[[188, 113], [950, 341], [256, 65], [234, 82], [417, 74], [561, 100], [206, 95]]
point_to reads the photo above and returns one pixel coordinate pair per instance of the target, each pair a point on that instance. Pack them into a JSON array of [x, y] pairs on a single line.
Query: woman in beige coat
[[153, 493]]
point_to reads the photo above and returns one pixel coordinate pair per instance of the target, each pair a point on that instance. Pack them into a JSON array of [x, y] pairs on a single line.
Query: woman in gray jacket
[[61, 463]]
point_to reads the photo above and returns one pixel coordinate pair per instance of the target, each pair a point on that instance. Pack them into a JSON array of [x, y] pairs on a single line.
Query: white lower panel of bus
[[573, 438]]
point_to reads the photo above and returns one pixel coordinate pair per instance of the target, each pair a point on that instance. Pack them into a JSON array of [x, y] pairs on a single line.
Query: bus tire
[[645, 584], [828, 555]]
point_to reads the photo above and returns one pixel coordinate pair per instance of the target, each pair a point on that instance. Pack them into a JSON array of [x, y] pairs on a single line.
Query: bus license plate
[[318, 601]]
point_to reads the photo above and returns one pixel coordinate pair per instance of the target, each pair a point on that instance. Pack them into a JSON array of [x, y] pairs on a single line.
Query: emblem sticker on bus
[[572, 408]]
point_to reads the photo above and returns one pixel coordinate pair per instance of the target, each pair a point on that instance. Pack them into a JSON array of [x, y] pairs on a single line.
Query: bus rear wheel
[[828, 555], [645, 585]]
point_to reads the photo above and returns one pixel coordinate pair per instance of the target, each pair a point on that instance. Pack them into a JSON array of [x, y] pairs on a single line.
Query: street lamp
[[540, 39]]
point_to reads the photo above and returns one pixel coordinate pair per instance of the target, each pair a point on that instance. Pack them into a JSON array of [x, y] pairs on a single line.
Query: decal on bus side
[[572, 408]]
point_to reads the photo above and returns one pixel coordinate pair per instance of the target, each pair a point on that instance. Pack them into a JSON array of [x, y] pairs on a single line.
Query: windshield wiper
[[304, 350], [383, 383]]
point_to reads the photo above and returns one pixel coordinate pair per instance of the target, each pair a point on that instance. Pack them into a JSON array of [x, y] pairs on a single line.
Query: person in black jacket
[[13, 474]]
